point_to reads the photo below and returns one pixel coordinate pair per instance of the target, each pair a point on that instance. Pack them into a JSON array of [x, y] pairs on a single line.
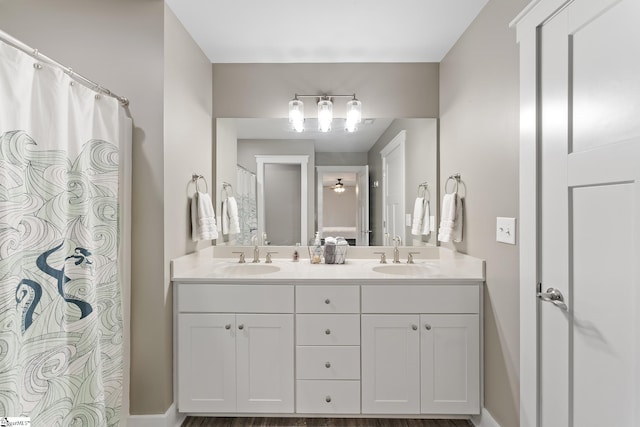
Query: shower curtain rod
[[75, 76]]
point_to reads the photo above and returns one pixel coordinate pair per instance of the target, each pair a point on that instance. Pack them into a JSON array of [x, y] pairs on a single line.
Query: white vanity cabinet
[[328, 349], [421, 349], [235, 348]]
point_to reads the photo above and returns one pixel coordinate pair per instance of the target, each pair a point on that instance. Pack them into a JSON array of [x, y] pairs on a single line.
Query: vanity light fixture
[[325, 112], [339, 186]]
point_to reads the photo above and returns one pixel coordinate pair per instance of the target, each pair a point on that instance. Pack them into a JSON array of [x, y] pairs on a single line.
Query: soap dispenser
[[316, 255]]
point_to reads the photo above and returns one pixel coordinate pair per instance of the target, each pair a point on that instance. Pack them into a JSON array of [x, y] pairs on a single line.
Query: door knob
[[553, 296], [328, 332], [427, 326], [240, 326], [327, 301], [327, 365], [227, 326], [414, 327]]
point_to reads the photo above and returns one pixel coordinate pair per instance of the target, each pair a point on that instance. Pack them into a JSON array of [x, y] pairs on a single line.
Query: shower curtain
[[61, 319], [247, 205]]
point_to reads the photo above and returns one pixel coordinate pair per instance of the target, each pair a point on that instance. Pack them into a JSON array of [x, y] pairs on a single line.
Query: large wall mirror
[[362, 186]]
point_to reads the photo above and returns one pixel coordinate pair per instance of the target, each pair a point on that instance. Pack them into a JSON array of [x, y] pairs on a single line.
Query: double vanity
[[358, 339]]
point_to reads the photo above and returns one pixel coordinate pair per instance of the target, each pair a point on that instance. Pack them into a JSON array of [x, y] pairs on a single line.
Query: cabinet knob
[[328, 331], [328, 399], [327, 365], [227, 326], [327, 301], [414, 327], [427, 326], [240, 326]]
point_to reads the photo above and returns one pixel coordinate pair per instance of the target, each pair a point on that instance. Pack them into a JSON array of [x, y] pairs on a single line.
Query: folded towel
[[203, 218], [451, 219], [230, 221], [418, 216]]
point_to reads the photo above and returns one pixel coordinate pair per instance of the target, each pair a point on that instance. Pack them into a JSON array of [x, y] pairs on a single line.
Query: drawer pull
[[427, 326], [328, 332], [240, 326], [327, 365], [328, 399], [227, 326], [327, 301], [414, 327]]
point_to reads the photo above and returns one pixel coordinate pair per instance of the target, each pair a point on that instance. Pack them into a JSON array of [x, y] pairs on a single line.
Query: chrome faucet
[[397, 240], [256, 250], [410, 257], [241, 260], [267, 260], [383, 257]]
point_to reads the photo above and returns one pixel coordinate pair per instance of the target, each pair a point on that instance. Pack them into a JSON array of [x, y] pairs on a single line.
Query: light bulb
[[325, 115], [296, 115]]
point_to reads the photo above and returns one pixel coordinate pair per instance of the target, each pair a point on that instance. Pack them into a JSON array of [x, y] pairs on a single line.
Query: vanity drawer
[[328, 363], [205, 298], [421, 299], [328, 329], [322, 397], [328, 299]]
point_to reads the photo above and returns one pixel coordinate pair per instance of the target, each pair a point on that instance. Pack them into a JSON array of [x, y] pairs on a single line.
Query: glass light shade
[[339, 189], [325, 115], [354, 111], [296, 114]]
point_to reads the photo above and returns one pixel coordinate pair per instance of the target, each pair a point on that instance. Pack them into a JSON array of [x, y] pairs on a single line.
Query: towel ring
[[226, 187], [195, 178], [456, 180], [423, 189]]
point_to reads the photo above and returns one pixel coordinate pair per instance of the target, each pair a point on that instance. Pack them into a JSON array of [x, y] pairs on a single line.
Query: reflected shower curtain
[[61, 327], [247, 205]]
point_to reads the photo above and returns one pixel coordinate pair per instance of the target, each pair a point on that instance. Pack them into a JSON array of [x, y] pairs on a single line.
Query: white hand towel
[[426, 219], [203, 218], [418, 216], [225, 218], [230, 221], [451, 219]]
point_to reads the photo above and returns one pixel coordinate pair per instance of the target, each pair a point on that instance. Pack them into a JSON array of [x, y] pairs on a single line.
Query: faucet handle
[[410, 257], [383, 257], [241, 260], [397, 240], [267, 260]]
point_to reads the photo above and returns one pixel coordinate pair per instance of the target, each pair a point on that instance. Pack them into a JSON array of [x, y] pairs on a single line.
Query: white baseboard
[[484, 420], [171, 418]]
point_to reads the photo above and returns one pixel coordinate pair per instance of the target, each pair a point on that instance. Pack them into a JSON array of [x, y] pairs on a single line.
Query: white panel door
[[362, 218], [206, 363], [265, 375], [393, 188], [450, 364], [589, 349], [390, 364]]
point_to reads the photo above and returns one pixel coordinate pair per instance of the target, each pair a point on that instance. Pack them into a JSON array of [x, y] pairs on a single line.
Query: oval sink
[[402, 269], [250, 269]]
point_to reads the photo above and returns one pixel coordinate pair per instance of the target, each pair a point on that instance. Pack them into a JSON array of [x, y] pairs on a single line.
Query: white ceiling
[[302, 31]]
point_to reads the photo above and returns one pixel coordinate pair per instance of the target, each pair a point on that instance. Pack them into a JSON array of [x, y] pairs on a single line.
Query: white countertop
[[433, 265]]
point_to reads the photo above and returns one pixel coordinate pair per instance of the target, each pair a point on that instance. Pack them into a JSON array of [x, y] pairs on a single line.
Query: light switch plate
[[407, 220], [506, 230]]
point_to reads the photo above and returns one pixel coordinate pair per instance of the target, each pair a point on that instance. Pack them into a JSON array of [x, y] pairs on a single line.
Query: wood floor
[[319, 422]]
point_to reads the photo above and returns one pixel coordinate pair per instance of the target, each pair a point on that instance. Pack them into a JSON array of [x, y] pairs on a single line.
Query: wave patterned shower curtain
[[247, 205], [61, 327]]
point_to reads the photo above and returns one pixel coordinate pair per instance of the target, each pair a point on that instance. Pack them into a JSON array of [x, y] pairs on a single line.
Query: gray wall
[[479, 131], [121, 44], [341, 159], [339, 209], [421, 165], [386, 90]]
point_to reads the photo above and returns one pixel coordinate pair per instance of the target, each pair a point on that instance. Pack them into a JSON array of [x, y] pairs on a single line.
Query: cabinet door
[[450, 352], [206, 363], [264, 344], [390, 364]]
